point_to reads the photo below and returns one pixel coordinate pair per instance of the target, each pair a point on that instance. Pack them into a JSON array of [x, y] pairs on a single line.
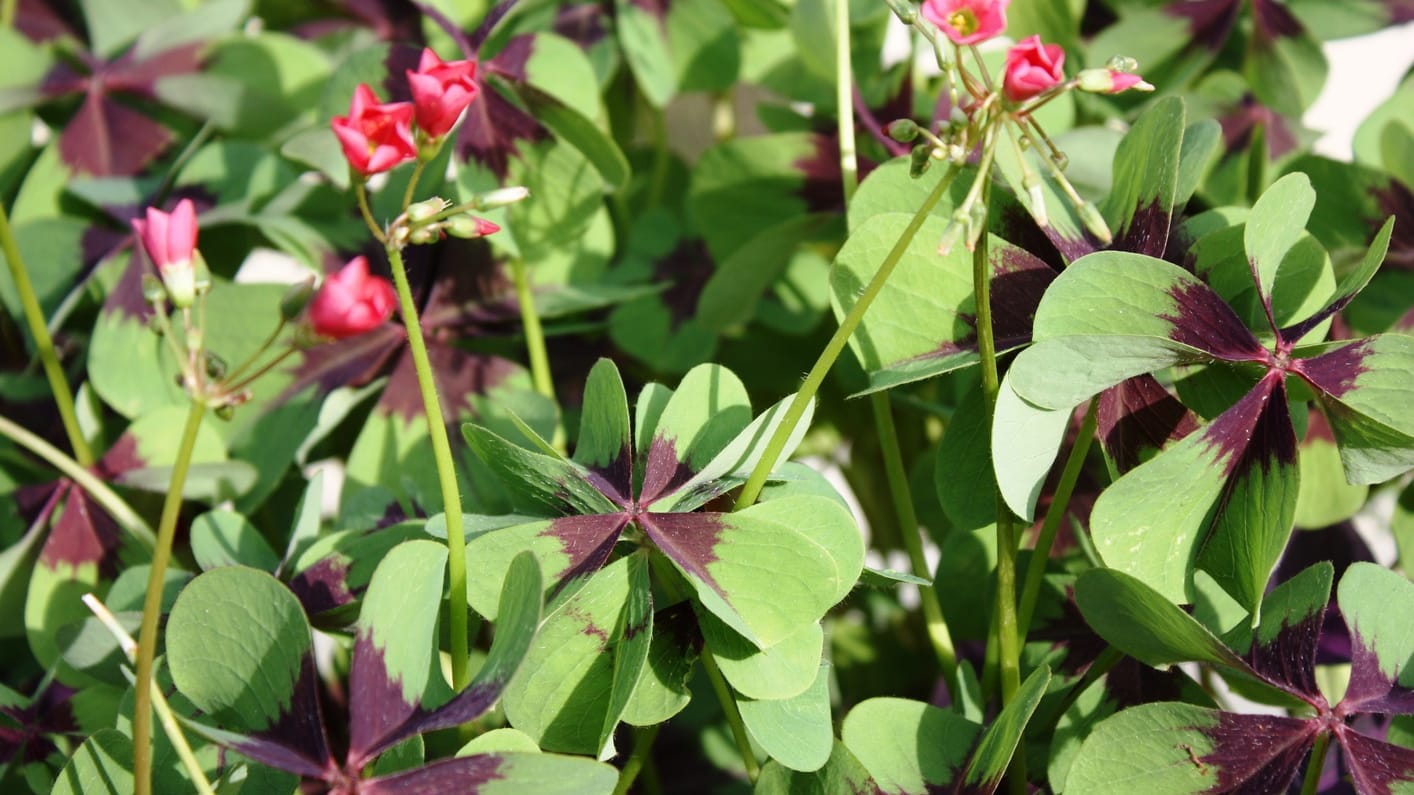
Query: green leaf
[[662, 690], [744, 580], [237, 641], [570, 126], [1374, 601], [922, 322], [1141, 622], [999, 742], [226, 538], [1365, 388], [605, 443], [706, 412], [305, 528], [1325, 497], [684, 46], [1145, 181], [539, 484], [1024, 443], [731, 296], [565, 693], [494, 541], [783, 671], [103, 765], [1276, 222], [1286, 71], [841, 775], [930, 763], [794, 731], [747, 185]]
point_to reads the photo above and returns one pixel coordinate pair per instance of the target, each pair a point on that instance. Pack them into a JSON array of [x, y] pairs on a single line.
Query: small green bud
[[903, 130], [469, 227], [1122, 63], [201, 275], [422, 211], [920, 159], [225, 411], [296, 298], [956, 229], [215, 367], [425, 234], [502, 197]]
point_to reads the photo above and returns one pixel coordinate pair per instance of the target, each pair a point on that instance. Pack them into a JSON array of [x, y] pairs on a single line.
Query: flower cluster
[[1034, 74], [376, 136]]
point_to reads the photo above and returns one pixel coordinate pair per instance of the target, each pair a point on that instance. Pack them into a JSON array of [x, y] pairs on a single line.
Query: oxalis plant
[[378, 380]]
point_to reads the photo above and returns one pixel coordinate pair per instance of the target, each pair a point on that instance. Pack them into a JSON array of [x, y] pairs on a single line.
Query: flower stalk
[[152, 602], [44, 343]]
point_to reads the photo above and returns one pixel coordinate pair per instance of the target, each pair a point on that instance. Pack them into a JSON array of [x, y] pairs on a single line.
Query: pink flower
[[967, 21], [351, 302], [375, 137], [1031, 68], [440, 92], [170, 240]]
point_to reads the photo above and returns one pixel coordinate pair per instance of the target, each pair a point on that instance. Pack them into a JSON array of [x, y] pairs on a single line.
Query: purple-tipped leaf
[[1283, 648], [1137, 418], [1366, 385], [1377, 604], [1377, 767]]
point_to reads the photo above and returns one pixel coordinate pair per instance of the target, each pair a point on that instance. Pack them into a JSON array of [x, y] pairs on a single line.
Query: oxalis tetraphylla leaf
[[762, 576], [1182, 748]]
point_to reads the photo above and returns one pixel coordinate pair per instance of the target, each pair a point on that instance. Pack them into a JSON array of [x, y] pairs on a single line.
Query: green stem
[[412, 184], [844, 83], [361, 194], [534, 334], [152, 603], [733, 715], [165, 715], [446, 472], [1036, 569], [835, 346], [642, 745], [912, 533], [1107, 659], [43, 343], [265, 368], [269, 340], [1008, 641], [7, 13], [112, 504], [1317, 763]]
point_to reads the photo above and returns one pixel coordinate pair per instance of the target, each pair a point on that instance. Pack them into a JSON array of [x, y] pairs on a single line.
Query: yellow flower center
[[963, 21]]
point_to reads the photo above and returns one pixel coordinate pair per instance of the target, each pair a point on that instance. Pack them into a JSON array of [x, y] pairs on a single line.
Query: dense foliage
[[765, 345]]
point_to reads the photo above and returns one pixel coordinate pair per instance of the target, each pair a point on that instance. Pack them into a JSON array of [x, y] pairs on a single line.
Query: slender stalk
[[170, 178], [411, 189], [446, 471], [1036, 569], [912, 533], [733, 714], [112, 504], [152, 604], [1107, 659], [361, 193], [7, 13], [534, 334], [1008, 640], [832, 350], [264, 345], [642, 745], [43, 343], [844, 82], [265, 368], [168, 720], [1317, 763]]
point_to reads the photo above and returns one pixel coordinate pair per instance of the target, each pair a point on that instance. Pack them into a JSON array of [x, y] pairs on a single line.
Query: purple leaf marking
[[465, 775], [1240, 121], [296, 740], [1256, 431], [1396, 199], [377, 708], [1273, 20], [1209, 21], [323, 586], [1146, 232], [1370, 688], [1335, 372], [1204, 321], [1139, 414], [460, 375], [493, 127], [664, 473], [686, 269], [83, 534], [1289, 659], [587, 541], [690, 539], [1375, 765], [1255, 753]]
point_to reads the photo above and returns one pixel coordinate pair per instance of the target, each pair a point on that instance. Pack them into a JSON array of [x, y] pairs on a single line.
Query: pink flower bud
[[375, 137], [351, 302], [1031, 68], [1110, 81], [967, 21], [440, 92], [170, 241]]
